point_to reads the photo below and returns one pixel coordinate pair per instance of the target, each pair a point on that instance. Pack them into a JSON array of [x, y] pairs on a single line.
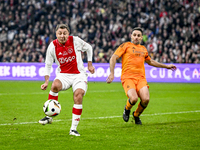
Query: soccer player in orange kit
[[133, 77]]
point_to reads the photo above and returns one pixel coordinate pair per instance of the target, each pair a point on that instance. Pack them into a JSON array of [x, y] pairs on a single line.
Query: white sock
[[76, 115], [53, 93]]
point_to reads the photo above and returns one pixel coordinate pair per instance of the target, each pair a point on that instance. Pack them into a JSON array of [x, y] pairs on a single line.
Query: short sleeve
[[147, 57], [120, 50]]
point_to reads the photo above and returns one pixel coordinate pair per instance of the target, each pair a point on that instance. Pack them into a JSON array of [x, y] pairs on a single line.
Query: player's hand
[[91, 69], [44, 86], [172, 67], [110, 78]]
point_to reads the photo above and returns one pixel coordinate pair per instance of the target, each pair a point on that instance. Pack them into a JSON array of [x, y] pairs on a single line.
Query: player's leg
[[55, 88], [143, 92], [76, 111], [61, 82], [133, 98], [144, 97], [129, 88], [79, 88], [53, 94]]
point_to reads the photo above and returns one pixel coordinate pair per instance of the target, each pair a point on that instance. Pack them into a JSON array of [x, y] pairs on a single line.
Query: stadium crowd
[[171, 27]]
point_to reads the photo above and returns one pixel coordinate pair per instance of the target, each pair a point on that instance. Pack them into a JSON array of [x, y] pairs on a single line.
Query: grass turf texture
[[171, 121]]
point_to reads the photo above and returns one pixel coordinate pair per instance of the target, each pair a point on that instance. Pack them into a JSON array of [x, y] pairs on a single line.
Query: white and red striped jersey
[[67, 56]]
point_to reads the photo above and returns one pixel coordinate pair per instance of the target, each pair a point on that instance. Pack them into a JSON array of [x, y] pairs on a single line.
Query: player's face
[[62, 35], [136, 37]]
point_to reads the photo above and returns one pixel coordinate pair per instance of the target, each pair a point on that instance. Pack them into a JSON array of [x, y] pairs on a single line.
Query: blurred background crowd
[[171, 27]]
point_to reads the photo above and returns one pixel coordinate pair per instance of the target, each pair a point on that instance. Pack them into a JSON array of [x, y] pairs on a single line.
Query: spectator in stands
[[168, 21]]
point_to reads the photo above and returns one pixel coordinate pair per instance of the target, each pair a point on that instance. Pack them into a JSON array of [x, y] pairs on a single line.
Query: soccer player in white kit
[[66, 51]]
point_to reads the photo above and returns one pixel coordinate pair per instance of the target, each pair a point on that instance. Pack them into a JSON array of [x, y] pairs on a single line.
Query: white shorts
[[76, 81]]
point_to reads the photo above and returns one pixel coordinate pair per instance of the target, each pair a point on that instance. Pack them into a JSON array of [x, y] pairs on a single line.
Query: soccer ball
[[52, 108]]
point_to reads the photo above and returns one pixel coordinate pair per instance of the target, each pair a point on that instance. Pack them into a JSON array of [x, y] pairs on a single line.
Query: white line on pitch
[[156, 114], [34, 93], [90, 91]]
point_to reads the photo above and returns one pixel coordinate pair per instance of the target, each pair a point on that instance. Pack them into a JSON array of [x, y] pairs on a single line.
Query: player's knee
[[145, 101], [55, 87], [78, 99], [133, 99], [78, 96]]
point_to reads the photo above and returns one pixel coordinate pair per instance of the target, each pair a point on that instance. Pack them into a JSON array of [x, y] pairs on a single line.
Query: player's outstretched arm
[[160, 65], [113, 60], [171, 66]]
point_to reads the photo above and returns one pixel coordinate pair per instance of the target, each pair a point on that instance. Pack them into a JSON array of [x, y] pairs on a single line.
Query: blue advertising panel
[[185, 73]]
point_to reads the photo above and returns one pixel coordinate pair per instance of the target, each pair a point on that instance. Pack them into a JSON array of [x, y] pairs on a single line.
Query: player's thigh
[[78, 96], [80, 82], [143, 89], [144, 94], [141, 83], [132, 94], [128, 84], [65, 79], [56, 85]]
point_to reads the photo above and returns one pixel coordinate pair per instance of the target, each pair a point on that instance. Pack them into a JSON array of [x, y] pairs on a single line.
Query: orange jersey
[[133, 58]]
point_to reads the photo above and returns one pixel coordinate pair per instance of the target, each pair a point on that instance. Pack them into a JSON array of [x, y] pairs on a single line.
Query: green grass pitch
[[170, 122]]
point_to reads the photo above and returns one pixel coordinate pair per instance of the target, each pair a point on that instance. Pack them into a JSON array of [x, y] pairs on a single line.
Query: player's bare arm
[[160, 65], [45, 85], [113, 60], [91, 67]]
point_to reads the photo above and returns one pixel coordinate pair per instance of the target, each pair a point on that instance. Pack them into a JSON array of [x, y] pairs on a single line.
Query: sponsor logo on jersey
[[63, 60]]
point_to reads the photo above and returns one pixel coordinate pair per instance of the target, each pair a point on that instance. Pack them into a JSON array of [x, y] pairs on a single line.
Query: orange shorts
[[134, 83]]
